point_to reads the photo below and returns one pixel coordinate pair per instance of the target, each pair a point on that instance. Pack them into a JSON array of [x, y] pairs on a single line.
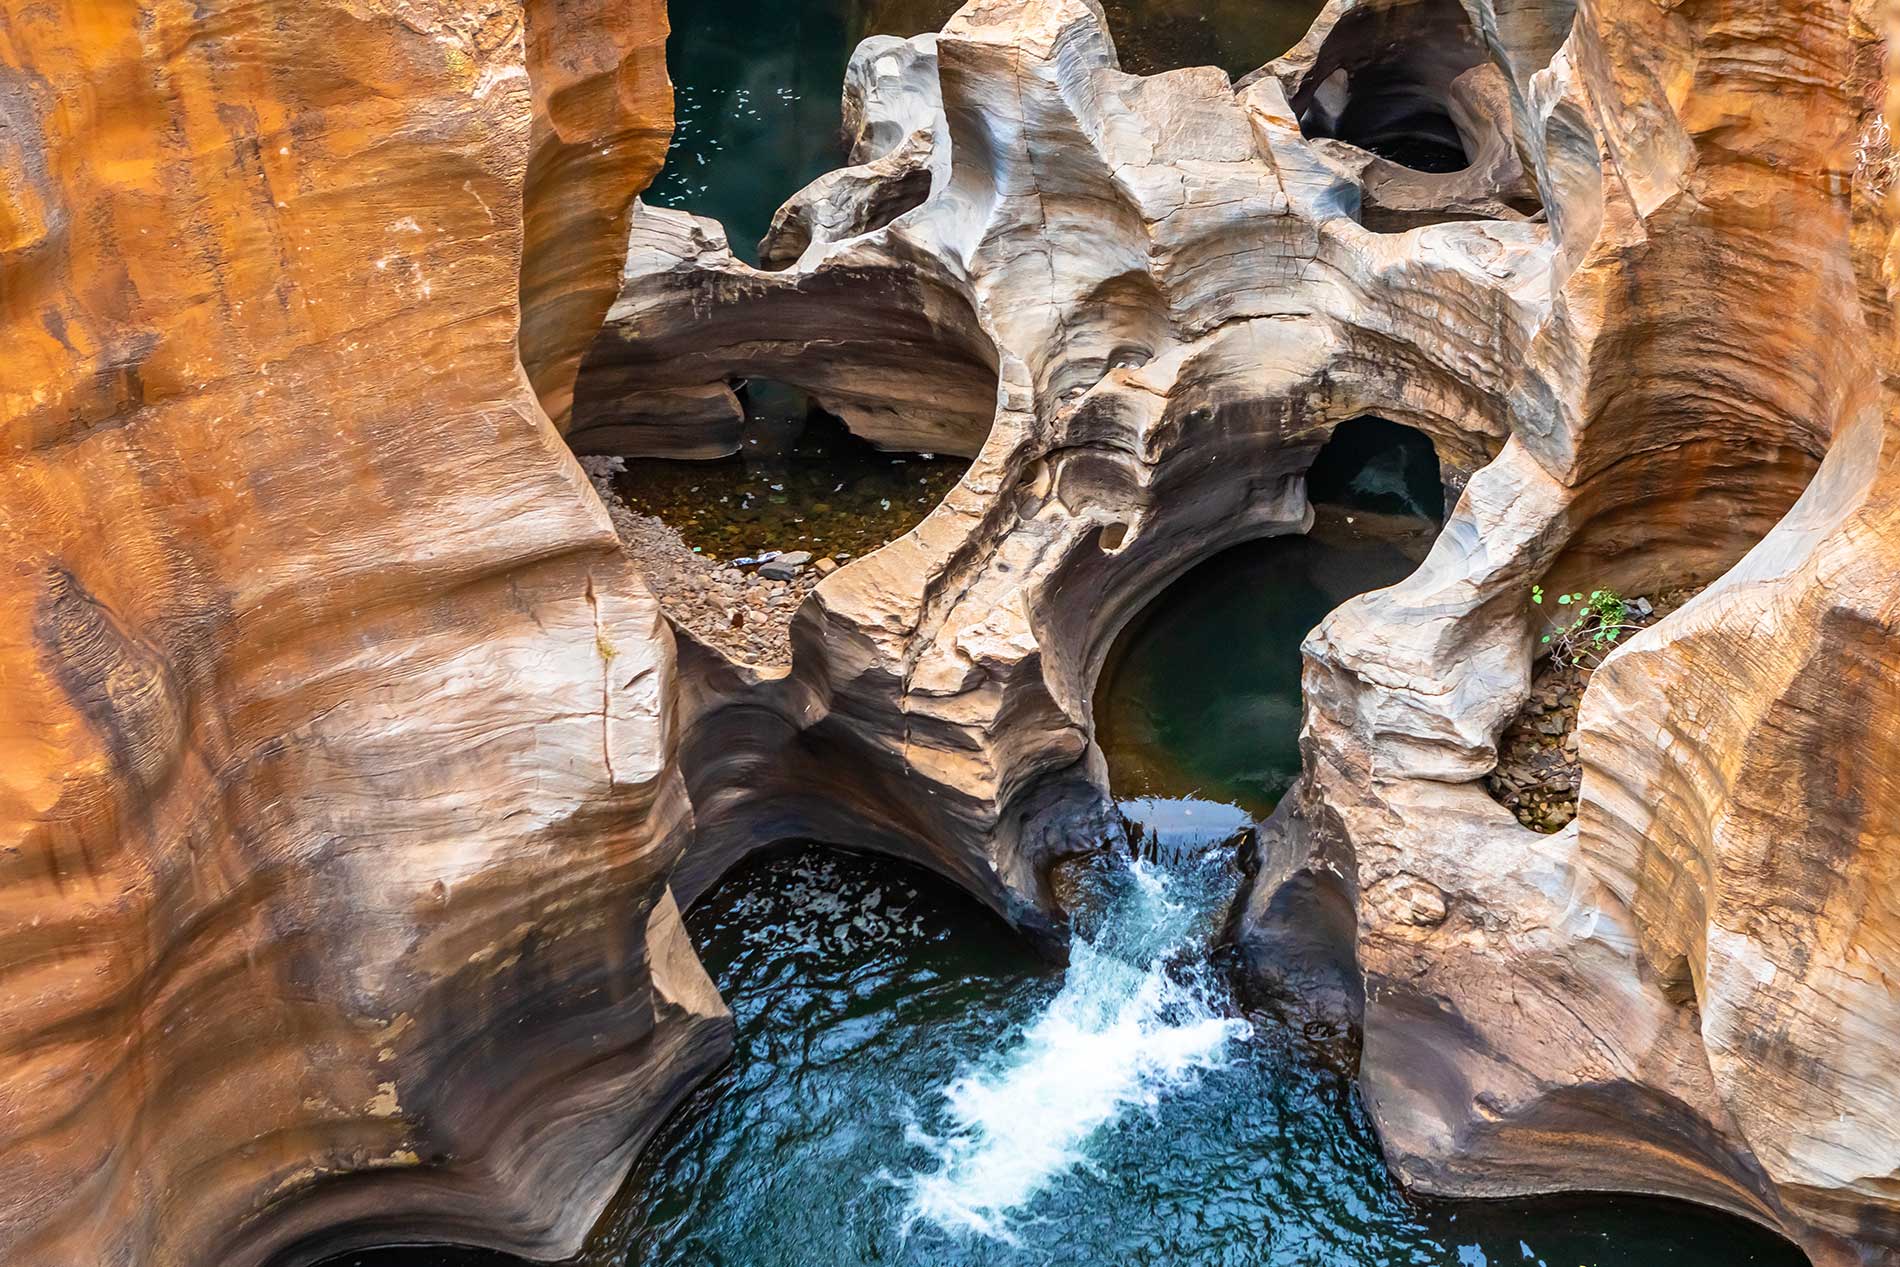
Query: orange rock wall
[[1742, 786], [603, 113], [333, 726]]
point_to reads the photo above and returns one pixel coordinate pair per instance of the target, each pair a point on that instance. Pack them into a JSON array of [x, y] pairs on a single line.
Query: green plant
[[1583, 637]]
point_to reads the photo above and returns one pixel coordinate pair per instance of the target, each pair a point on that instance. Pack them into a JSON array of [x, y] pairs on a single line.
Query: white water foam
[[1122, 1032]]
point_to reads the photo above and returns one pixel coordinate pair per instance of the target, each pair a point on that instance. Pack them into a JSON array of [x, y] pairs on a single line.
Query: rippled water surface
[[910, 1087]]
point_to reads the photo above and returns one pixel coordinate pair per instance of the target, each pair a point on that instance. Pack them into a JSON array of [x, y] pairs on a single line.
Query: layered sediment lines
[[336, 804], [1633, 321], [603, 113], [1683, 992], [1159, 292], [352, 779]]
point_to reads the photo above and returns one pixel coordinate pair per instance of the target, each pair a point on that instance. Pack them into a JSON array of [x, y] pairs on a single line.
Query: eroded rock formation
[[1632, 318], [1158, 291], [603, 111], [1672, 995], [336, 809], [350, 780]]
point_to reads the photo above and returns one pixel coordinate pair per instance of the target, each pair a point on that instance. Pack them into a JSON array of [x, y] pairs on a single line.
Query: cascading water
[[1138, 1017], [863, 990], [911, 1087]]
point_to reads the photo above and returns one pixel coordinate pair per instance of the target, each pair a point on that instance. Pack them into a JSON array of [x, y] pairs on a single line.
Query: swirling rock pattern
[[1687, 991], [1180, 294], [335, 801], [348, 778], [1158, 292]]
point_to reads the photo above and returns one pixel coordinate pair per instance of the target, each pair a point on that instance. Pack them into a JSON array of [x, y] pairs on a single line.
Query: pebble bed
[[1539, 773], [743, 612]]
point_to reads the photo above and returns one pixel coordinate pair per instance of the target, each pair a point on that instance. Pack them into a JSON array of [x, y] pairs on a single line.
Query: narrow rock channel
[[912, 1087]]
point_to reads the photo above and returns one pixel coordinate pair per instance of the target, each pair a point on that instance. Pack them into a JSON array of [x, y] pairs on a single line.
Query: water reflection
[[1201, 697], [863, 990]]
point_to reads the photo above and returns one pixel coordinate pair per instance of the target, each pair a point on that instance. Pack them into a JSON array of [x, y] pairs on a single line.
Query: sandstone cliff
[[348, 774], [1633, 321], [335, 805], [1688, 990]]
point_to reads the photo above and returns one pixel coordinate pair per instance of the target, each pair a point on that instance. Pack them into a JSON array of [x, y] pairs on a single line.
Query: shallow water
[[800, 481], [911, 1086]]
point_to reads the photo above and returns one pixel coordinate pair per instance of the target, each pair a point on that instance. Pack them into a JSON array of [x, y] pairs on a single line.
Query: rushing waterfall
[[1162, 1138], [1137, 1017]]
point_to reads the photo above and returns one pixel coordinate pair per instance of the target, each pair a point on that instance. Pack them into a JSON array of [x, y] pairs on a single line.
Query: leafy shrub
[[1585, 634]]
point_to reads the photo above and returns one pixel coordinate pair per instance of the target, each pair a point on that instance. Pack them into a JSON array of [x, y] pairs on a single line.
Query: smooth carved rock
[[336, 809], [340, 795], [603, 113], [1394, 72], [1763, 880], [1157, 290], [1686, 992], [1180, 296]]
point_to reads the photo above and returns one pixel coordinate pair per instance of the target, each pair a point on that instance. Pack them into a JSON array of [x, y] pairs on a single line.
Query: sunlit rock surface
[[1688, 991], [603, 111], [350, 774], [1143, 303], [336, 810], [1631, 320]]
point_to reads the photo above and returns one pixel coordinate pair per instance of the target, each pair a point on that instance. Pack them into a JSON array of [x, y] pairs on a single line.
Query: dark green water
[[912, 1087], [1140, 1116], [1185, 741], [1170, 728], [757, 84]]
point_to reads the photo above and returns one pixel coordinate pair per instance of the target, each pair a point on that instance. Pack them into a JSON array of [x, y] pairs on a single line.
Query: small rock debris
[[1540, 772], [744, 612]]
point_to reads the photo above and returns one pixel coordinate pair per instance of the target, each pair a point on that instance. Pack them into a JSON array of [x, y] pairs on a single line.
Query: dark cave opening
[[1382, 81], [1375, 465]]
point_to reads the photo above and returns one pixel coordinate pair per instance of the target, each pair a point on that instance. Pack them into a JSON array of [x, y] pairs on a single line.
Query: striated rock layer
[[349, 783], [336, 810], [1688, 990], [603, 113], [1142, 303], [1634, 321]]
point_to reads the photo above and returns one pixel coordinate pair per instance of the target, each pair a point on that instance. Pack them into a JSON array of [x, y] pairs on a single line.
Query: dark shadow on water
[[861, 988], [1201, 696], [1372, 464]]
